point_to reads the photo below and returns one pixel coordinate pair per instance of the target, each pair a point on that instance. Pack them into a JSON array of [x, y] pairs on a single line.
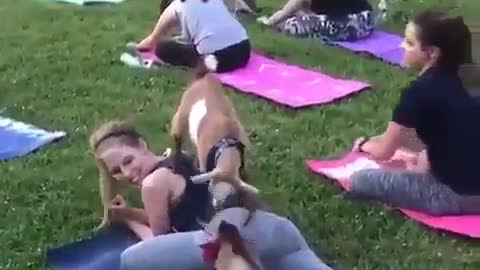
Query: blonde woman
[[171, 202]]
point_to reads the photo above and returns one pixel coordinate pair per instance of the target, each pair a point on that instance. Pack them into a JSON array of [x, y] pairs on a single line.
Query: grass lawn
[[59, 69]]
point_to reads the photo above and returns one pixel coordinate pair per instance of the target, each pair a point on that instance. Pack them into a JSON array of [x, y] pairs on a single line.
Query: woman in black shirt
[[444, 178], [335, 20], [171, 201]]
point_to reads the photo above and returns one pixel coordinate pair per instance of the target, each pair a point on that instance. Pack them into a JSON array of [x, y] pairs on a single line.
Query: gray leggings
[[275, 240], [415, 191]]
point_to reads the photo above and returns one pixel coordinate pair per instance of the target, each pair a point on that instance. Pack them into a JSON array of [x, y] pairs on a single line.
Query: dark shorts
[[180, 54]]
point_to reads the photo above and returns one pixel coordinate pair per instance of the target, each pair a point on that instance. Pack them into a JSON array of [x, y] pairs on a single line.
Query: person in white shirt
[[221, 44]]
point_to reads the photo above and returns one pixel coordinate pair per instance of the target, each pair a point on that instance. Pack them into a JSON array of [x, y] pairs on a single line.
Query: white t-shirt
[[209, 25]]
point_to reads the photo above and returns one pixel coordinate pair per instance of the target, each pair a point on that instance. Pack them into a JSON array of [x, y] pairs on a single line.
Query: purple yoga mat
[[380, 44], [285, 84]]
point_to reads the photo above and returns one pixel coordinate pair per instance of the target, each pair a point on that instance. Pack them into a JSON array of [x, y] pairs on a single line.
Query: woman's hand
[[119, 202], [146, 44], [414, 162], [411, 163], [263, 20], [141, 230], [118, 206], [383, 147], [419, 163], [357, 144]]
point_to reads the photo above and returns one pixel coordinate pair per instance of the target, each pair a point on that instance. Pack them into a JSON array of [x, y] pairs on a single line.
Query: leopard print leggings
[[350, 28]]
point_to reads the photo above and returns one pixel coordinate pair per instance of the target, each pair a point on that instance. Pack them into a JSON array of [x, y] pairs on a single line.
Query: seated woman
[[273, 241], [171, 202], [338, 20], [443, 179], [222, 43]]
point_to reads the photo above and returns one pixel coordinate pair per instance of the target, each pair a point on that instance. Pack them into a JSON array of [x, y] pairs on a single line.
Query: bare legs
[[290, 9]]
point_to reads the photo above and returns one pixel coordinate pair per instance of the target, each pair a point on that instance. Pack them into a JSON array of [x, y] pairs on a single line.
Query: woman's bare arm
[[384, 146], [141, 230], [135, 214], [290, 8], [167, 21], [156, 196]]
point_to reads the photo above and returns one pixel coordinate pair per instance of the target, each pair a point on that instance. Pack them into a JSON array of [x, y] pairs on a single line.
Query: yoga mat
[[284, 84], [99, 252], [287, 84], [18, 138], [382, 45], [89, 2], [341, 168]]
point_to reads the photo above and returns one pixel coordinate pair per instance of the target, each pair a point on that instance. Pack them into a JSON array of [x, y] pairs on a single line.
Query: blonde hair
[[125, 134]]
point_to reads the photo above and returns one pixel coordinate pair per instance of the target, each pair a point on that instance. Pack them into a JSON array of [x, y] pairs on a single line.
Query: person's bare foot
[[264, 20]]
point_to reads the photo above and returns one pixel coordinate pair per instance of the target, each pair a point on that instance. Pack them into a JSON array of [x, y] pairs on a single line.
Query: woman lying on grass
[[444, 178], [170, 201], [336, 20], [209, 33]]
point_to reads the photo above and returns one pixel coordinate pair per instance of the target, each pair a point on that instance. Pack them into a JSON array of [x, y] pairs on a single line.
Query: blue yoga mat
[[99, 252], [18, 138]]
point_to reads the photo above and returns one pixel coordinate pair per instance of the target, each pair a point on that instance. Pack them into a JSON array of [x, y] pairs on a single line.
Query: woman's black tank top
[[339, 8], [195, 205]]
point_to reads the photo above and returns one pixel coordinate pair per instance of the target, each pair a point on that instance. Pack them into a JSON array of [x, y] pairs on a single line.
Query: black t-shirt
[[195, 205], [339, 8], [446, 118]]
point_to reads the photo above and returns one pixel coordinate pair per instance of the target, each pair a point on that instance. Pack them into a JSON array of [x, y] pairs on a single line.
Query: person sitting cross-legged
[[335, 20], [444, 178], [210, 36]]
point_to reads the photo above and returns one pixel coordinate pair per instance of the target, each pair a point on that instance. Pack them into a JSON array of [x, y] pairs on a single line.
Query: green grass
[[59, 69]]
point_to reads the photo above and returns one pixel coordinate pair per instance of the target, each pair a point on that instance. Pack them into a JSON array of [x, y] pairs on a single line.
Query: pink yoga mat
[[341, 168], [286, 84]]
